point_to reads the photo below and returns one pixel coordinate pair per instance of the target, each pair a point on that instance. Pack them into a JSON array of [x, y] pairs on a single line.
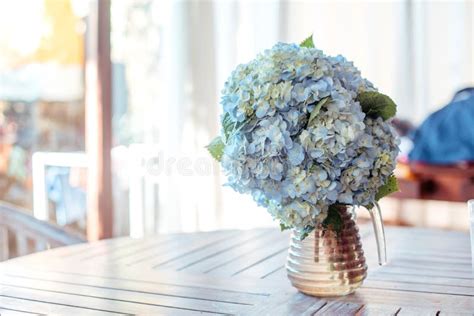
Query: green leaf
[[308, 42], [216, 148], [333, 221], [376, 104], [283, 227], [231, 127], [316, 110], [389, 187], [228, 126]]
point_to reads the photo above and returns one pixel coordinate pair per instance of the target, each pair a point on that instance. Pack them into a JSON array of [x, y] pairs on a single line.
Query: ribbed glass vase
[[326, 263]]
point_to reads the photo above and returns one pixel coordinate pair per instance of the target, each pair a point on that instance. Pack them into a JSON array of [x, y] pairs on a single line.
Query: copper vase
[[326, 263]]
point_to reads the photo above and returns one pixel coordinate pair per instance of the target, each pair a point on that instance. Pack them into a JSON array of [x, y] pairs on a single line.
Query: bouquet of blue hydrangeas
[[304, 133]]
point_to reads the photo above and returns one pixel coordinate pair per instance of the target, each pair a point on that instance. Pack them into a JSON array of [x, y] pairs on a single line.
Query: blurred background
[[106, 106]]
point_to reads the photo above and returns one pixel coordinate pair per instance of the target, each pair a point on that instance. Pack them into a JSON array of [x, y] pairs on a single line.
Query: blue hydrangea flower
[[297, 158]]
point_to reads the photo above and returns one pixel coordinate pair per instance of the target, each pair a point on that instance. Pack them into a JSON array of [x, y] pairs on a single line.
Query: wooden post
[[4, 243], [98, 98]]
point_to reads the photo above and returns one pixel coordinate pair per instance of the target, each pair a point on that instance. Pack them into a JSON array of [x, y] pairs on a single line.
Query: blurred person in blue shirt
[[447, 135]]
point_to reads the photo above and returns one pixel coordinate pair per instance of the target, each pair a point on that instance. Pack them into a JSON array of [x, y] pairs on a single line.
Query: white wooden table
[[234, 272]]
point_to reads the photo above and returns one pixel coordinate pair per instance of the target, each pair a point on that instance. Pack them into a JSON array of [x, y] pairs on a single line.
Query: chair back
[[22, 234]]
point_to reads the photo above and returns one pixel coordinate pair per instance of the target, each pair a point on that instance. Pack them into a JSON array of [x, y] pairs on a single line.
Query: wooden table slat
[[338, 308], [15, 312], [382, 275], [378, 310], [116, 294], [211, 252], [87, 302], [249, 259], [420, 287], [220, 259], [425, 311], [140, 251], [425, 271], [116, 251], [178, 250], [136, 287], [235, 272], [411, 299], [264, 268], [45, 304], [290, 303], [93, 248]]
